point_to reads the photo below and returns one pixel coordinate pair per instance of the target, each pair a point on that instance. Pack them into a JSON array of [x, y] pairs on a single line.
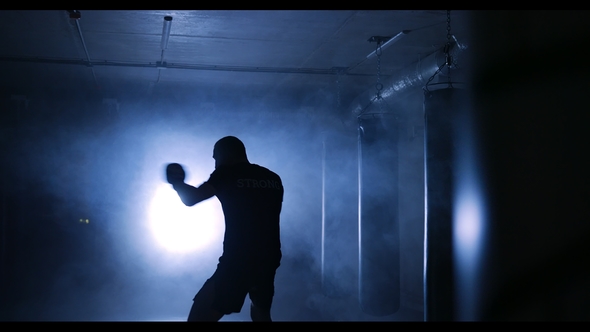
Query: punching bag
[[440, 111]]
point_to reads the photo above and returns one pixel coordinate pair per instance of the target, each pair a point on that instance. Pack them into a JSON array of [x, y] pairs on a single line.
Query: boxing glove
[[175, 173]]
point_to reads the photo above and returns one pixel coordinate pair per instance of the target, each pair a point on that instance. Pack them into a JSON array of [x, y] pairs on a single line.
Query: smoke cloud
[[84, 176]]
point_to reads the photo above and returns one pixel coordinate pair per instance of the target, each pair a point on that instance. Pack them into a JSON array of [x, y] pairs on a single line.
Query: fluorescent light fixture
[[390, 42], [166, 32]]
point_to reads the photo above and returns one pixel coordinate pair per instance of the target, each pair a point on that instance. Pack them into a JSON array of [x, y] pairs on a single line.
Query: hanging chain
[[378, 85], [448, 58]]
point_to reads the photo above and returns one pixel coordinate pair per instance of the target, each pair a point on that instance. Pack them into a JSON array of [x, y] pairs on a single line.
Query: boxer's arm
[[192, 195]]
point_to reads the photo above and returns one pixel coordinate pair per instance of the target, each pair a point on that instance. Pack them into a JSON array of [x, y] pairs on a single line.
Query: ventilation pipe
[[416, 74]]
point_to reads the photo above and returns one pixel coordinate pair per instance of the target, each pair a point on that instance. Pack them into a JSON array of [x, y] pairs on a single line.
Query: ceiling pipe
[[416, 74]]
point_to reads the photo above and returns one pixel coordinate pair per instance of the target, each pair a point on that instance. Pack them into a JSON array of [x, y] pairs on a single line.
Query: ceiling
[[119, 53]]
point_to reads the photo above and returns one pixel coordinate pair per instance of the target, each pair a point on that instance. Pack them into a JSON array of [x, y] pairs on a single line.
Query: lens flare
[[180, 228]]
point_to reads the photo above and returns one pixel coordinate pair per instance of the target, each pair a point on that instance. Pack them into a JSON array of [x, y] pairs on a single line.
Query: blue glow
[[180, 228], [468, 225], [469, 233], [470, 221]]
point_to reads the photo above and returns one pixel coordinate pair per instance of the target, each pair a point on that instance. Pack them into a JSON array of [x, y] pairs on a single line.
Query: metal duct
[[416, 74]]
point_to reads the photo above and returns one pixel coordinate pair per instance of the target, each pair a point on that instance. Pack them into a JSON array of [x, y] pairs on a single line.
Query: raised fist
[[175, 173]]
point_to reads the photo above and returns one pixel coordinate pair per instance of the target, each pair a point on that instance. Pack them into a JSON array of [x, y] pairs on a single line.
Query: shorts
[[233, 280]]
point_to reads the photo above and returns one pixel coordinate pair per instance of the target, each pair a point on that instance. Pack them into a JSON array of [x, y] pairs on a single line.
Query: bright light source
[[468, 226], [180, 228]]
